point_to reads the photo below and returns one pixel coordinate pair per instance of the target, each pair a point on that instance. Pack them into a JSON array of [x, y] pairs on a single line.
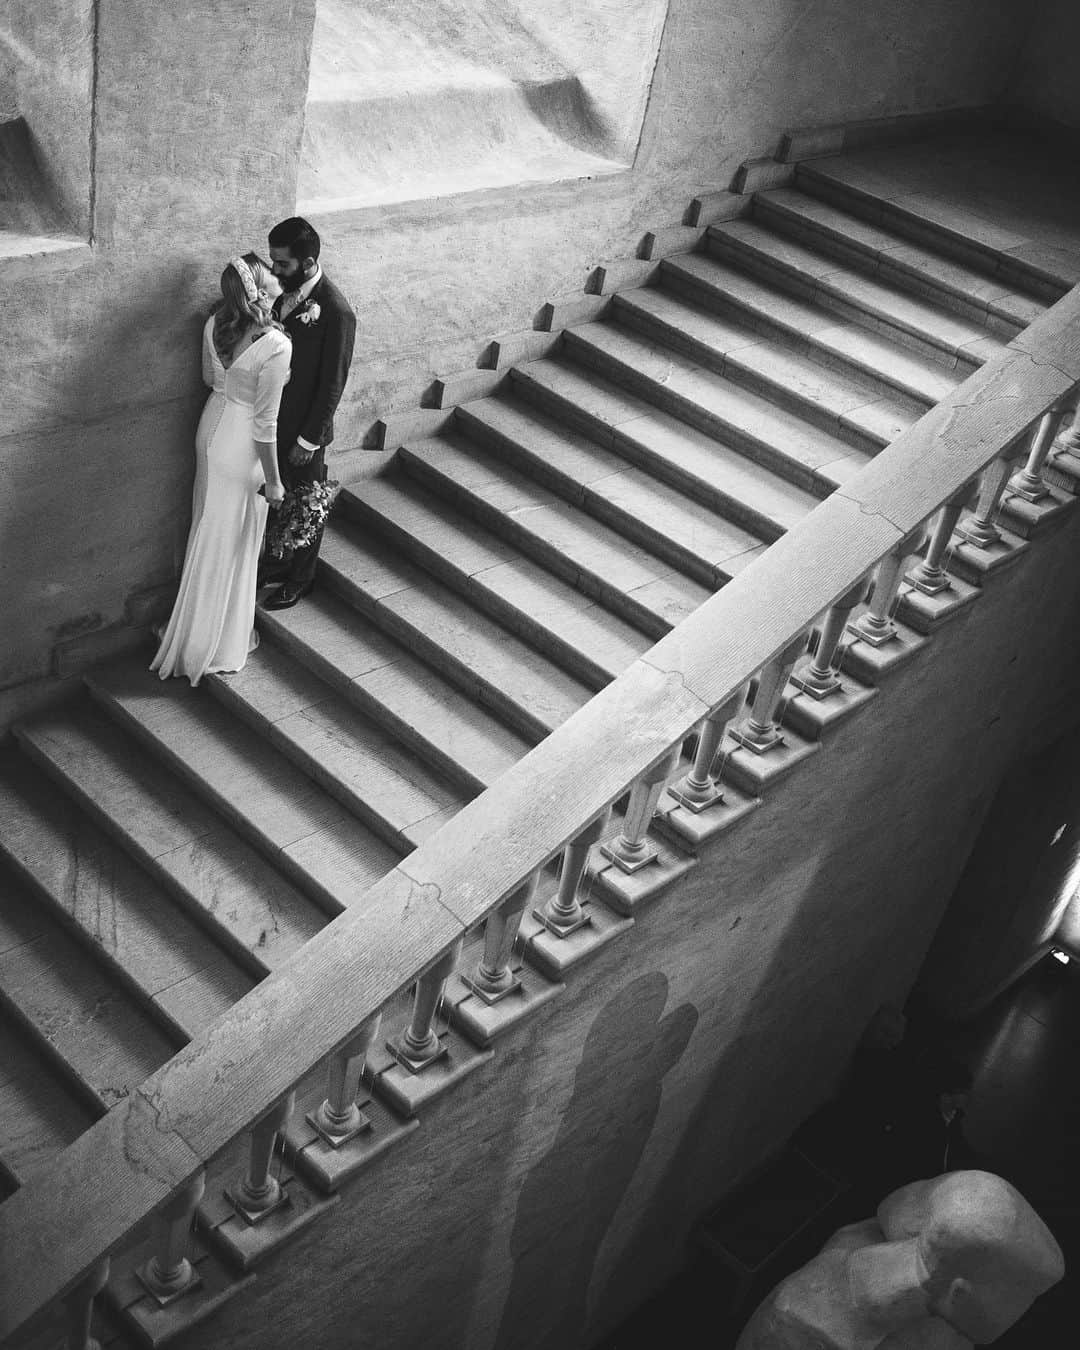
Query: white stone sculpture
[[947, 1264]]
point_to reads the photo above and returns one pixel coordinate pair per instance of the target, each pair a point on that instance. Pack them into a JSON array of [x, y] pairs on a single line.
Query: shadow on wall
[[570, 1197]]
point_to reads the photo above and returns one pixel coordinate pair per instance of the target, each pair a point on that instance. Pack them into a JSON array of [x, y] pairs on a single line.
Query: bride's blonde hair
[[237, 311]]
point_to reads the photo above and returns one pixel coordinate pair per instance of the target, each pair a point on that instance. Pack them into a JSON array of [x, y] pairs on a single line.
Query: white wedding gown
[[212, 623]]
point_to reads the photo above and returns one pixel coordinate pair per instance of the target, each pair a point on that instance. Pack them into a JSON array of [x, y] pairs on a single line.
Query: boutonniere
[[310, 313]]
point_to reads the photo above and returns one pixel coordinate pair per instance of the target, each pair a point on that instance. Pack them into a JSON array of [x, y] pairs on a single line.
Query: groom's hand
[[298, 455]]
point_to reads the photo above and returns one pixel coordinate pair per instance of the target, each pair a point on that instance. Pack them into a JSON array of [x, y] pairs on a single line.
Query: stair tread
[[943, 328], [304, 715], [710, 465], [90, 1021], [39, 1115], [795, 440], [549, 607], [556, 525], [820, 328], [285, 813], [441, 627], [622, 490], [382, 675], [118, 906], [834, 394], [879, 242]]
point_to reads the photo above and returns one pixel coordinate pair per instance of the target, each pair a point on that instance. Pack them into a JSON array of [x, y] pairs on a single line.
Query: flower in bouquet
[[297, 521]]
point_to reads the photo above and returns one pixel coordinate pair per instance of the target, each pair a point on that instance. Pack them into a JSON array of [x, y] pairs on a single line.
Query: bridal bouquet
[[298, 519]]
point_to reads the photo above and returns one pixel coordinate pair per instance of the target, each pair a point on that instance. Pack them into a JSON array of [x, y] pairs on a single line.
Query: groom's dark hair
[[299, 236]]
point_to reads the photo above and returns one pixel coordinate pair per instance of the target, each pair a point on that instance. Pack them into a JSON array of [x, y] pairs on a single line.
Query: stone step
[[781, 441], [585, 639], [643, 589], [78, 1015], [474, 652], [413, 702], [331, 741], [260, 916], [40, 1114], [839, 344], [846, 405], [929, 221], [665, 446], [309, 850], [980, 297], [668, 522], [116, 907], [955, 343]]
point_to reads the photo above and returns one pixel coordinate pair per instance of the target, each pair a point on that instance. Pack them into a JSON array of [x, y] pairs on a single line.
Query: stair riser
[[894, 217], [729, 307], [472, 588], [363, 810], [431, 754], [463, 677], [822, 293], [872, 263], [702, 489], [220, 934], [589, 583], [627, 524], [733, 368], [179, 1034], [713, 425], [263, 843]]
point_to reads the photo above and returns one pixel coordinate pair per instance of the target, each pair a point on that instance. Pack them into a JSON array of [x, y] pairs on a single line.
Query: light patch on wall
[[411, 99]]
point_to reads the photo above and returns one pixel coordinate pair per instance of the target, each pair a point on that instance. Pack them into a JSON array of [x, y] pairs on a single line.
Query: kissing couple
[[276, 352]]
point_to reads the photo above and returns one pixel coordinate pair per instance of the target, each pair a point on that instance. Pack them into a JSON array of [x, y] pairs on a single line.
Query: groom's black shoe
[[286, 597]]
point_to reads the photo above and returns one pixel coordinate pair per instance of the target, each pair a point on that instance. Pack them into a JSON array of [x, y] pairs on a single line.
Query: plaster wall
[[1045, 77], [46, 76], [544, 1197], [199, 121]]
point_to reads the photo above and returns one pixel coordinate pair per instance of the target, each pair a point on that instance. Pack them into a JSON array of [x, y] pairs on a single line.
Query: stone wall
[[1045, 77], [544, 1197], [198, 126]]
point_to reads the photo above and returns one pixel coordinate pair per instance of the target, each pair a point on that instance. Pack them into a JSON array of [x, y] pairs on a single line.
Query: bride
[[245, 360]]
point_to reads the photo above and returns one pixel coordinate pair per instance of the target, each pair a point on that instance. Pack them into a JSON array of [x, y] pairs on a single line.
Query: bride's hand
[[274, 493]]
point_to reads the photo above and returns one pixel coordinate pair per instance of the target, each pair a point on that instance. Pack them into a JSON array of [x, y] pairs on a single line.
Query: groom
[[322, 327]]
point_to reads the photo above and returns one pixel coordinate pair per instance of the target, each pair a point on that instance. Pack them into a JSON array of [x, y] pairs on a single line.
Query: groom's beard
[[294, 282]]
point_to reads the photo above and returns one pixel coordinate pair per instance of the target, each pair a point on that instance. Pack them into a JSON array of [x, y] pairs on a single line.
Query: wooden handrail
[[113, 1177]]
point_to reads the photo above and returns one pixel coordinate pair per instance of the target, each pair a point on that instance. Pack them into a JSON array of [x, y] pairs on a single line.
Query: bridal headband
[[247, 278]]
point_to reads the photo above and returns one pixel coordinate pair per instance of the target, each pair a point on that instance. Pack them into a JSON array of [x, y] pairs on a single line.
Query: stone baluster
[[929, 576], [419, 1044], [1028, 483], [169, 1274], [493, 979], [339, 1119], [563, 914], [259, 1193], [630, 849], [698, 789], [79, 1308], [979, 529], [761, 730], [875, 625], [817, 678]]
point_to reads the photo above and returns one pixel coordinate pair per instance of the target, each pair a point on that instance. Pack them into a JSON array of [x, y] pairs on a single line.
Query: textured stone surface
[[101, 371]]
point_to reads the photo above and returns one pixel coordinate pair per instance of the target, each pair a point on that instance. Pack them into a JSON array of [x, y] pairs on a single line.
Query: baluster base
[[408, 1092], [875, 636], [164, 1294], [1028, 518], [929, 583], [329, 1167], [978, 533], [1032, 489], [808, 681], [554, 956], [697, 799], [335, 1138], [489, 995], [416, 1061], [482, 1022], [759, 742], [925, 613], [146, 1321], [560, 927], [254, 1214], [629, 862]]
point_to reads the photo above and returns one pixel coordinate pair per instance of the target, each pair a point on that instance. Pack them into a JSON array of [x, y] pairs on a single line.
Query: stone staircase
[[163, 848]]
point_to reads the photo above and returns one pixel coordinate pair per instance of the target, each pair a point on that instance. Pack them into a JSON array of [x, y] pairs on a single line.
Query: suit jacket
[[321, 355]]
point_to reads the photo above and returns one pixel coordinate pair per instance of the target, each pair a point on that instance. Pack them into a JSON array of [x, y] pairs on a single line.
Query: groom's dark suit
[[322, 349]]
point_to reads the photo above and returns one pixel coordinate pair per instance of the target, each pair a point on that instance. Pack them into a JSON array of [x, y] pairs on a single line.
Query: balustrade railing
[[149, 1153]]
